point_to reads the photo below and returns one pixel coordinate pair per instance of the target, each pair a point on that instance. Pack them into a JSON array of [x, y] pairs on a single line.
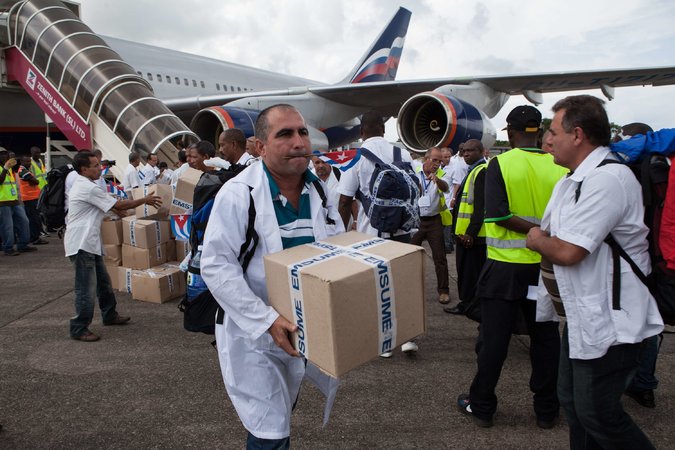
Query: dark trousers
[[498, 318], [255, 443], [590, 392], [33, 219], [469, 264], [431, 230], [91, 282], [645, 377]]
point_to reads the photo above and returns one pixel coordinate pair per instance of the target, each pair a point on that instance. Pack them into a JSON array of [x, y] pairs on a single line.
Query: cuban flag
[[117, 190], [342, 159], [180, 226], [105, 170]]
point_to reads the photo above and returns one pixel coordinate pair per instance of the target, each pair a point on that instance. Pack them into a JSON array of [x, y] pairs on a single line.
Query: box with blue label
[[157, 284], [352, 296], [144, 233]]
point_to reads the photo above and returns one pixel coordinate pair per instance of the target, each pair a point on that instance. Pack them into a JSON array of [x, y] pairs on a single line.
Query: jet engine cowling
[[210, 122], [432, 119]]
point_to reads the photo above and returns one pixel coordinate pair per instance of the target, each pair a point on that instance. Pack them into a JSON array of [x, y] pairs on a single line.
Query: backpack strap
[[397, 154], [324, 200], [617, 253], [246, 250], [337, 172]]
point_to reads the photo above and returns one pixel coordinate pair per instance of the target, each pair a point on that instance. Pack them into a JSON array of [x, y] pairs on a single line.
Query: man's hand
[[120, 213], [533, 237], [280, 332], [11, 162], [466, 240], [153, 200]]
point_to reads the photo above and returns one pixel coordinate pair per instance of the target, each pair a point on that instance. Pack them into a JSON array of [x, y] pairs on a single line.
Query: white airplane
[[212, 95]]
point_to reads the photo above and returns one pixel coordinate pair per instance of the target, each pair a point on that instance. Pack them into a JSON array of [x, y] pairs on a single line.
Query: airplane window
[[149, 76], [232, 88], [140, 73], [225, 87], [202, 83], [194, 83], [159, 78], [239, 89], [177, 80], [217, 87], [186, 82], [168, 79]]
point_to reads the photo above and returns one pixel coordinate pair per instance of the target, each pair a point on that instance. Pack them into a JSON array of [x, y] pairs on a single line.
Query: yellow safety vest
[[446, 214], [38, 171], [465, 211], [8, 191], [529, 177]]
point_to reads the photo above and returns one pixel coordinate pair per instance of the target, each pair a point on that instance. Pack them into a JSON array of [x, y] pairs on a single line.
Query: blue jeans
[[449, 239], [254, 443], [644, 379], [91, 281], [590, 392], [13, 220]]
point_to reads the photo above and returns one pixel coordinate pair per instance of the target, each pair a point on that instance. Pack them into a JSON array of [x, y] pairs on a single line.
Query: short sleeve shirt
[[88, 203]]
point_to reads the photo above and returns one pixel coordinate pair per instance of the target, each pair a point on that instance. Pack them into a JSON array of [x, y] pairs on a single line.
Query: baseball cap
[[524, 118]]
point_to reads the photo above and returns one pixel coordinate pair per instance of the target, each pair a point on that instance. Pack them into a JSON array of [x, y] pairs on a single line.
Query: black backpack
[[393, 193], [52, 199], [652, 173]]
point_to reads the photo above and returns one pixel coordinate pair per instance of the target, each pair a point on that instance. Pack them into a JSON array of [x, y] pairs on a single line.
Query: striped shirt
[[295, 226]]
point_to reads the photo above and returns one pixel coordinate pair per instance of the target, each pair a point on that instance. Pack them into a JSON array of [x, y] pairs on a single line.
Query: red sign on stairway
[[49, 99]]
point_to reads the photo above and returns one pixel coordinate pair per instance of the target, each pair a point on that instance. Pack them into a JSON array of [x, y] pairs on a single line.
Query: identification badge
[[424, 202], [13, 190]]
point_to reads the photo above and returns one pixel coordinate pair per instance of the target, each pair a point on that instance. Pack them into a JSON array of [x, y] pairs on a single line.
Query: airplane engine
[[210, 122], [433, 119]]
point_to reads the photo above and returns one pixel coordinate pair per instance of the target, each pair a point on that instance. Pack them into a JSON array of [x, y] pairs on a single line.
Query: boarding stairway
[[95, 98]]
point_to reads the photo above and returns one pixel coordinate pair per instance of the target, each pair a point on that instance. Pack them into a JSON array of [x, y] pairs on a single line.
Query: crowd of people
[[504, 217]]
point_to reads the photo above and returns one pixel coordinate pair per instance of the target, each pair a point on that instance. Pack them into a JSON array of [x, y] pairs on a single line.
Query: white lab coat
[[261, 379]]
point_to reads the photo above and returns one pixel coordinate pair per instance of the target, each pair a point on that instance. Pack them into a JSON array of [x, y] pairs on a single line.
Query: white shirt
[[147, 175], [358, 177], [245, 159], [70, 179], [260, 378], [178, 172], [88, 205], [130, 179], [459, 169], [166, 177], [610, 201], [430, 199]]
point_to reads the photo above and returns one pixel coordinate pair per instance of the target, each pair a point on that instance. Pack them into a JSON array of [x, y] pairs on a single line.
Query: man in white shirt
[[130, 180], [183, 166], [431, 224], [459, 171], [148, 174], [232, 147], [72, 176], [83, 246], [603, 338], [358, 178]]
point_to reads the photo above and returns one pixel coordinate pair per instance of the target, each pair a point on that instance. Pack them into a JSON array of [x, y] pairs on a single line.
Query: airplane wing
[[388, 96]]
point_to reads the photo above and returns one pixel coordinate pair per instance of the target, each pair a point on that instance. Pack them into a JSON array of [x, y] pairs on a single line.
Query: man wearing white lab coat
[[261, 369]]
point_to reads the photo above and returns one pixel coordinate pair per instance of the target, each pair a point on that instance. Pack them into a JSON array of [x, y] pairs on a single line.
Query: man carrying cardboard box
[[87, 207], [261, 369]]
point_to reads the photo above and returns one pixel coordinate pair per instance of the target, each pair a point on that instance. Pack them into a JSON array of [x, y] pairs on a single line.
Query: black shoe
[[644, 398], [117, 320], [464, 406], [458, 309], [28, 249], [547, 424]]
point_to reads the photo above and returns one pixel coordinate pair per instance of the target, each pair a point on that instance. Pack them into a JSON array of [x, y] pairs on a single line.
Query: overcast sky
[[322, 40]]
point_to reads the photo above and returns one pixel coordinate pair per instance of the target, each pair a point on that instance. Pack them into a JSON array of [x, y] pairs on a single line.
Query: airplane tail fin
[[380, 62]]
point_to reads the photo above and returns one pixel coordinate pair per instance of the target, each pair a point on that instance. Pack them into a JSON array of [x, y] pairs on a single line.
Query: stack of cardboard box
[[112, 237]]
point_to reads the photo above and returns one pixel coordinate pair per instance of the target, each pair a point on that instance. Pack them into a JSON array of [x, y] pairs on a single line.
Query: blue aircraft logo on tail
[[380, 62]]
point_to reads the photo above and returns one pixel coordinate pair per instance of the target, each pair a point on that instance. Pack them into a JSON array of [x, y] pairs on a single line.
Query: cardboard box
[[124, 278], [112, 254], [182, 249], [353, 297], [113, 272], [185, 189], [158, 284], [111, 232], [150, 212], [144, 233], [143, 258], [171, 250]]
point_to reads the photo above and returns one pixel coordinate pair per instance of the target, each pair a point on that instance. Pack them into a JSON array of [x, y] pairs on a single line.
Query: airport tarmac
[[151, 384]]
